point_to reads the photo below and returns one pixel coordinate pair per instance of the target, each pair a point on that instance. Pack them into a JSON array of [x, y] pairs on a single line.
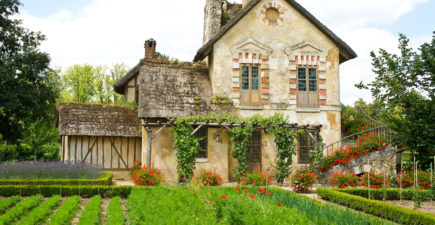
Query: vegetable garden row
[[182, 205]]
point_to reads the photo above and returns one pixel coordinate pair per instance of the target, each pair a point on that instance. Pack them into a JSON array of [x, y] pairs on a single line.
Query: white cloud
[[113, 31]]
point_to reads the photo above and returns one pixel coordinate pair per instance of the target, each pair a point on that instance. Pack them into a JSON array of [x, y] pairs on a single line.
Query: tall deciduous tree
[[405, 83], [27, 88]]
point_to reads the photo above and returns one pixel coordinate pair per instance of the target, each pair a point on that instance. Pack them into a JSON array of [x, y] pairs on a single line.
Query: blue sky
[[104, 32]]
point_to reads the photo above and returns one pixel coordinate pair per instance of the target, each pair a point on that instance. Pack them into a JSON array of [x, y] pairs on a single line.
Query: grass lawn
[[181, 205]]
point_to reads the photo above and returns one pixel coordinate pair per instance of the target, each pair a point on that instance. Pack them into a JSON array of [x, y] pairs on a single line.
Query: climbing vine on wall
[[187, 145], [240, 137]]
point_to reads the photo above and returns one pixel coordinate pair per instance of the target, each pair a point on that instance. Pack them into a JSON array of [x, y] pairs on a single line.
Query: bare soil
[[83, 203], [104, 204]]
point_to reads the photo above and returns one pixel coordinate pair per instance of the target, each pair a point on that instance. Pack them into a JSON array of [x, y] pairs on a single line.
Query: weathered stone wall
[[381, 161], [279, 48]]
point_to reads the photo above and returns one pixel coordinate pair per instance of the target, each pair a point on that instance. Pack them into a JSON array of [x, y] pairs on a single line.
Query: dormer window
[[250, 84]]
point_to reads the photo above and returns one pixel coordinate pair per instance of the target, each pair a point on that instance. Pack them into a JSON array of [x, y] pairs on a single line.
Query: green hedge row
[[382, 209], [104, 179], [69, 190], [390, 193]]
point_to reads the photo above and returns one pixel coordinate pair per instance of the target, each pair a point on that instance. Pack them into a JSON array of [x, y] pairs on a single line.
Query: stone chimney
[[150, 48], [244, 3], [212, 18]]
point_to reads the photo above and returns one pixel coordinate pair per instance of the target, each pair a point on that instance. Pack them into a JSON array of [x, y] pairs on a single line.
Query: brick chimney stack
[[150, 48]]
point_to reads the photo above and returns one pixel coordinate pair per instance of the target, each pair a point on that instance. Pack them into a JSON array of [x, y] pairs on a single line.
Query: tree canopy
[[404, 84], [28, 89]]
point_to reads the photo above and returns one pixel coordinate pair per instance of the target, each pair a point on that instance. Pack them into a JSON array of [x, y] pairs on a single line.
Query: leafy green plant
[[86, 191], [148, 176], [302, 180], [66, 212], [343, 180], [92, 213], [114, 212], [256, 178], [187, 145], [6, 203], [208, 178], [240, 139], [41, 213], [19, 210]]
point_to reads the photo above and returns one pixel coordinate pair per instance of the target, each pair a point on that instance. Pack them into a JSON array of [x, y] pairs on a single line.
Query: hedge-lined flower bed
[[70, 190], [385, 210], [367, 143], [104, 179]]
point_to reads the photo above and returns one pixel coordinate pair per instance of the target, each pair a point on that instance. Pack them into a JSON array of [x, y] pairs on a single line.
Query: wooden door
[[307, 95], [250, 84], [254, 152]]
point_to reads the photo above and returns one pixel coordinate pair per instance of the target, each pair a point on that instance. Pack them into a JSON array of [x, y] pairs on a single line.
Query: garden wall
[[380, 161]]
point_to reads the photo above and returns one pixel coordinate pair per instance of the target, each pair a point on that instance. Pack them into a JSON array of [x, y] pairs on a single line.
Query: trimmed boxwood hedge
[[104, 179], [67, 190], [390, 193], [382, 209]]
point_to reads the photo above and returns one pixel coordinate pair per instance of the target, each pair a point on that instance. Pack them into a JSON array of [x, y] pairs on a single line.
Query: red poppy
[[267, 193], [237, 188], [261, 190], [252, 196], [278, 204], [245, 191], [224, 197]]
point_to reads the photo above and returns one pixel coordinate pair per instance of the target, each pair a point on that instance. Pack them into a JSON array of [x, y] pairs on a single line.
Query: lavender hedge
[[48, 170]]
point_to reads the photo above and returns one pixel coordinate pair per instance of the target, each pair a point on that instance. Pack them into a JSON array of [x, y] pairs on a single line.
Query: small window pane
[[254, 84], [313, 75], [254, 72], [202, 133], [245, 83], [245, 71], [304, 148], [302, 73], [302, 85], [313, 85]]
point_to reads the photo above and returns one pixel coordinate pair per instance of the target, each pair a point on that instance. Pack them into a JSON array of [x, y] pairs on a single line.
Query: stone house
[[261, 57]]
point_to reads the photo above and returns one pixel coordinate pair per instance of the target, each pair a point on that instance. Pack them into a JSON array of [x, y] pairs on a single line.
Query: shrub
[[41, 213], [406, 179], [92, 213], [19, 210], [208, 177], [257, 178], [303, 180], [114, 212], [148, 177], [376, 179], [388, 194], [66, 212], [70, 190], [104, 179], [343, 180], [48, 170], [385, 210], [136, 167]]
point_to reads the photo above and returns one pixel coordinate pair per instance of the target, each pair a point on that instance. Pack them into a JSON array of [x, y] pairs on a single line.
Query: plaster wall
[[276, 42]]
